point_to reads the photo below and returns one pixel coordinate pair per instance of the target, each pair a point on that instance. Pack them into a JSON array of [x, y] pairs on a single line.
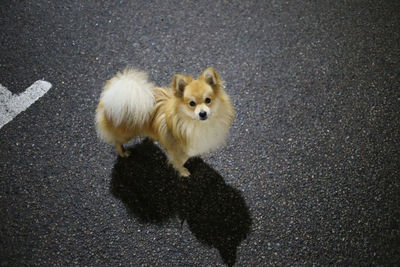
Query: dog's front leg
[[177, 159]]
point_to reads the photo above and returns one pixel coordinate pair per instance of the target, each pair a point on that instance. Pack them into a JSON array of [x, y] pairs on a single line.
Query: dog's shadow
[[152, 192]]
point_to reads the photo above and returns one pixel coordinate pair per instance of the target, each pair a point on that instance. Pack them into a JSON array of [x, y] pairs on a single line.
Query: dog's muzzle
[[203, 115]]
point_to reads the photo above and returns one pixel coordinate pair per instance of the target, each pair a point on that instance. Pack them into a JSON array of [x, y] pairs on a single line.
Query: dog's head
[[198, 98]]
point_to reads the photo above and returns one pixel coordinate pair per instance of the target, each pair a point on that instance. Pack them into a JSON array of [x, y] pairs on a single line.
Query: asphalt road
[[309, 175]]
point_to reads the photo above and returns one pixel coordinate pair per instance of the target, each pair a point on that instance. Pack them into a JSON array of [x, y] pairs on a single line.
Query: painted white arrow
[[11, 105]]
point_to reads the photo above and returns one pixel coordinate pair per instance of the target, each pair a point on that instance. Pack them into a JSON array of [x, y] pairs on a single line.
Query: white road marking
[[11, 105]]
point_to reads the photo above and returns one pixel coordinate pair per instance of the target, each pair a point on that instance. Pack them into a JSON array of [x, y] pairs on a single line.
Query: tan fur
[[174, 123]]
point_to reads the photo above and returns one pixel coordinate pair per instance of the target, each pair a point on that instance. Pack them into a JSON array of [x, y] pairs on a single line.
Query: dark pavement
[[310, 173]]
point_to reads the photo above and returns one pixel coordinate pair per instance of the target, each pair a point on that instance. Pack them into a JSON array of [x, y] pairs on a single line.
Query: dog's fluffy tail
[[128, 98]]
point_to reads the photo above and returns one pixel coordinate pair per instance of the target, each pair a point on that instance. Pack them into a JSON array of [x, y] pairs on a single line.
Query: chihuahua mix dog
[[190, 118]]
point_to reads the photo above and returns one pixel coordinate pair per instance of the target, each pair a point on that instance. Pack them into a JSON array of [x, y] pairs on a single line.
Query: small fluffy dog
[[191, 118]]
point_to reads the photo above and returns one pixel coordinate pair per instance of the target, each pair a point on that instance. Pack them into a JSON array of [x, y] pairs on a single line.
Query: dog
[[192, 117]]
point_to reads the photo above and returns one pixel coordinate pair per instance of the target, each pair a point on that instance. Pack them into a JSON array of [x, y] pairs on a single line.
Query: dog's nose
[[203, 115]]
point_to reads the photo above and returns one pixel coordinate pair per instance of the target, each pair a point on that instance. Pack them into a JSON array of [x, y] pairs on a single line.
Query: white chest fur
[[206, 136]]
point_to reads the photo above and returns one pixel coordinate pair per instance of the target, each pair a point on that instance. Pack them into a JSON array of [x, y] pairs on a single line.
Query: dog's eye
[[192, 103], [208, 100]]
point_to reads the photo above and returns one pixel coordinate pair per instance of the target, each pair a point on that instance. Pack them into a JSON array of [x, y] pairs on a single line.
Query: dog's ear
[[179, 83], [212, 78]]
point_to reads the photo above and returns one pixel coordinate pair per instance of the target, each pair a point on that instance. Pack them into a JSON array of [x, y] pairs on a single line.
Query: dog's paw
[[183, 172], [125, 154]]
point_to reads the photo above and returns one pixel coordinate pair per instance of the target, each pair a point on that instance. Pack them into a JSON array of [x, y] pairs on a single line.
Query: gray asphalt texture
[[309, 175]]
